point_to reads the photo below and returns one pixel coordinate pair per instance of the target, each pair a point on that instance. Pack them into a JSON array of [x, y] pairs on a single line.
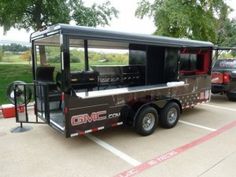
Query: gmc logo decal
[[93, 117], [86, 118]]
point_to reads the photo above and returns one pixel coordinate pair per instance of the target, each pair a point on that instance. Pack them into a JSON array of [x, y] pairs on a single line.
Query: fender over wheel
[[146, 121], [170, 115]]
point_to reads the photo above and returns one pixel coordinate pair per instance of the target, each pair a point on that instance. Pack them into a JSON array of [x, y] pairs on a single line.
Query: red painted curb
[[161, 158]]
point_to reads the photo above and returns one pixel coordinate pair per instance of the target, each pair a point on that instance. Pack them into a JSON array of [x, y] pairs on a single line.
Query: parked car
[[223, 78]]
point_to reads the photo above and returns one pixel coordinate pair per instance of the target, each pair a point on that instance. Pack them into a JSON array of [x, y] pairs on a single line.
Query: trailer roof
[[101, 34]]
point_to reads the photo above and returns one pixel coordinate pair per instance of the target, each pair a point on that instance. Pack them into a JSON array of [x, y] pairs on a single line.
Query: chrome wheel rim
[[172, 115], [148, 121]]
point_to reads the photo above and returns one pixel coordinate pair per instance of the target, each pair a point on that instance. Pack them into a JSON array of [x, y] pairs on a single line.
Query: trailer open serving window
[[80, 88], [195, 61]]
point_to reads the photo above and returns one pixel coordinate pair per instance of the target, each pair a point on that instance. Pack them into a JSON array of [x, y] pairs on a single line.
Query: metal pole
[[217, 54], [25, 102], [86, 62]]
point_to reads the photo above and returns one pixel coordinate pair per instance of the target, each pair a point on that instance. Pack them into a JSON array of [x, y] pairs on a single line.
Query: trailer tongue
[[161, 77]]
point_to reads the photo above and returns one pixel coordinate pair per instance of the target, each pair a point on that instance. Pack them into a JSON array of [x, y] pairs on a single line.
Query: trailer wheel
[[23, 93], [170, 115], [146, 121]]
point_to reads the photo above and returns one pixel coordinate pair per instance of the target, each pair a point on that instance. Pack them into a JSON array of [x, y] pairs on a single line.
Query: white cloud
[[127, 21], [15, 35], [232, 4]]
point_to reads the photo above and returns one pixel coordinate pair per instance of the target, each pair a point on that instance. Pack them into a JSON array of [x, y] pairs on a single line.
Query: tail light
[[65, 109], [62, 96], [216, 78], [220, 78], [226, 78]]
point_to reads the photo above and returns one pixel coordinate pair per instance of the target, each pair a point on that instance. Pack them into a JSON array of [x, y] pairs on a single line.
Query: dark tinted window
[[225, 64], [188, 62], [137, 54]]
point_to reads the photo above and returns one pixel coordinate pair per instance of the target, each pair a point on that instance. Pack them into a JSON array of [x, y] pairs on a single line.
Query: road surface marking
[[196, 125], [113, 150], [220, 107], [169, 155]]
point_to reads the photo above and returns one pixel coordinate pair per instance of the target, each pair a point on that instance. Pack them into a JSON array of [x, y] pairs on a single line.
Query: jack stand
[[21, 129]]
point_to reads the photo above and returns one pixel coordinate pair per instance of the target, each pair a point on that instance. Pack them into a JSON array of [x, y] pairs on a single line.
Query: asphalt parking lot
[[202, 144]]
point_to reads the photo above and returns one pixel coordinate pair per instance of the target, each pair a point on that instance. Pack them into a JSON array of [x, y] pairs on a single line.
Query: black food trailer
[[162, 77]]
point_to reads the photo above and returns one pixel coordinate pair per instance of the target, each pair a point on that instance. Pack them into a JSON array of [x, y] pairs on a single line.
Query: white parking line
[[220, 107], [113, 150], [196, 125]]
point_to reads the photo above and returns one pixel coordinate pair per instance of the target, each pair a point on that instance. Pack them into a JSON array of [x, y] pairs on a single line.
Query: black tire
[[231, 96], [146, 121], [215, 92], [170, 115]]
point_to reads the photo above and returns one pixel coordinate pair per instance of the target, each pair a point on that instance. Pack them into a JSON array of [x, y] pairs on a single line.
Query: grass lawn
[[10, 73], [12, 58], [22, 72]]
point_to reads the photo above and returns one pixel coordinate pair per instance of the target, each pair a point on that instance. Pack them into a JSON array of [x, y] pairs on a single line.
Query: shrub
[[54, 59], [1, 54], [74, 59], [26, 56]]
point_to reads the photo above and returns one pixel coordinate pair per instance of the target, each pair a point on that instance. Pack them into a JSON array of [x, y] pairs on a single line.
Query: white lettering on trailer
[[114, 115]]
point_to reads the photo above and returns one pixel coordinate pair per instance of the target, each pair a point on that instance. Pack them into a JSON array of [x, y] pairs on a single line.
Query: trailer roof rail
[[91, 32]]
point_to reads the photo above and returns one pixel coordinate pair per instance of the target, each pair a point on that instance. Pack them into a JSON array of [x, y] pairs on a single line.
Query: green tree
[[227, 35], [36, 14], [195, 19], [15, 48], [1, 53], [25, 56], [230, 40]]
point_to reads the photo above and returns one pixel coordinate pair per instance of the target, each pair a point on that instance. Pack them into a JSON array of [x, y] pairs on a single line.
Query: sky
[[126, 21]]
